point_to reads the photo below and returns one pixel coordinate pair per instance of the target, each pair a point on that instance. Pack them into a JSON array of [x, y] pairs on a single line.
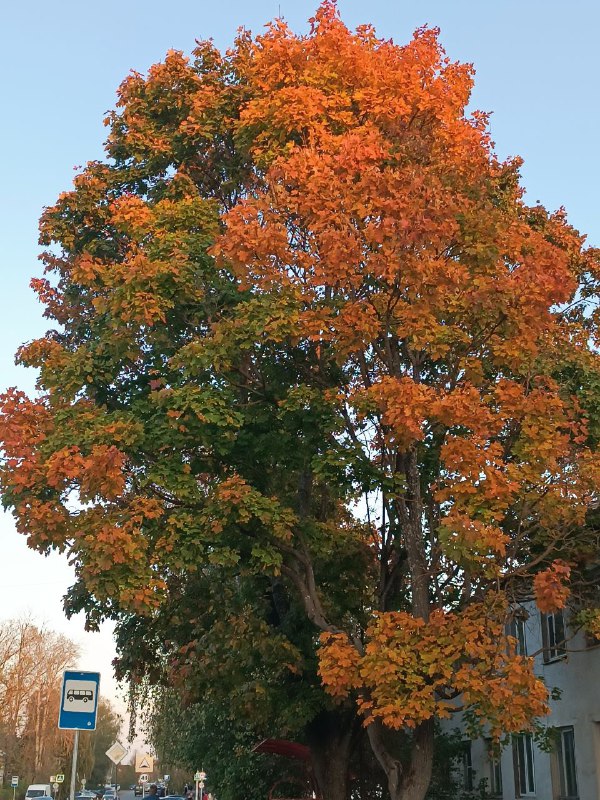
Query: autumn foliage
[[307, 327], [412, 669]]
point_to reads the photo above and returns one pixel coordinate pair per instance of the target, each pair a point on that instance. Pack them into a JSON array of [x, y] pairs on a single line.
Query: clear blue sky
[[61, 62]]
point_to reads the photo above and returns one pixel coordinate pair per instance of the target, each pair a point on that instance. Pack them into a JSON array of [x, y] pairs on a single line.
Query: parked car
[[38, 790]]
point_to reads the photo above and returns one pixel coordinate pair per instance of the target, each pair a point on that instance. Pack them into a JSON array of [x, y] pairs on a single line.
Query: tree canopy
[[320, 406]]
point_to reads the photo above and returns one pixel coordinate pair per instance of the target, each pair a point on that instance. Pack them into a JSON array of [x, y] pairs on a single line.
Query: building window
[[523, 758], [565, 756], [494, 769], [468, 773], [553, 636], [516, 629]]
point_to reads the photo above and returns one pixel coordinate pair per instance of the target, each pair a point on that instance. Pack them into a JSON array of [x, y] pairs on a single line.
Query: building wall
[[577, 676]]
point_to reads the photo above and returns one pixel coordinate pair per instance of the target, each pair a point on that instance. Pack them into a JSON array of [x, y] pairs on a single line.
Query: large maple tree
[[309, 333]]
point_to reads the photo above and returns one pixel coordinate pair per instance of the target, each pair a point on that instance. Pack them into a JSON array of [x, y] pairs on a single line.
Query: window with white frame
[[494, 769], [553, 636], [468, 773], [516, 629], [565, 757], [524, 769]]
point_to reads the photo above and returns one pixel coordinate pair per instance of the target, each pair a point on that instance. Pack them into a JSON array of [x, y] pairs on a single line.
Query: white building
[[572, 770]]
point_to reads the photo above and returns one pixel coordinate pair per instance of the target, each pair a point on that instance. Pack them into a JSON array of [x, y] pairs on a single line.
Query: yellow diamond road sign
[[144, 762], [116, 753]]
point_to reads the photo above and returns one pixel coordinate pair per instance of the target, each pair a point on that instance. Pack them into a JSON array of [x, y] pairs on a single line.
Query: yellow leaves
[[590, 619], [551, 587], [469, 542]]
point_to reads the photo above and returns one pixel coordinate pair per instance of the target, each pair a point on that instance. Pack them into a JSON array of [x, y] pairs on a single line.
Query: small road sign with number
[[14, 781]]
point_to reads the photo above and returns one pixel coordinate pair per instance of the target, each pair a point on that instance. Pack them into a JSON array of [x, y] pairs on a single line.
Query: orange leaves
[[86, 270], [551, 587], [465, 407], [99, 474], [358, 78], [24, 424], [412, 667], [63, 466], [404, 405], [475, 473], [103, 472], [132, 215], [143, 599], [338, 664]]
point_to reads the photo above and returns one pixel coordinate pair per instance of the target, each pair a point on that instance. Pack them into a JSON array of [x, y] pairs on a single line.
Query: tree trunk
[[331, 738], [406, 782], [417, 778]]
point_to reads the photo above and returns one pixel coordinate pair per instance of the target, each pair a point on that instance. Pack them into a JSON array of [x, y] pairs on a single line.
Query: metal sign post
[[14, 782], [74, 766], [116, 753], [200, 777]]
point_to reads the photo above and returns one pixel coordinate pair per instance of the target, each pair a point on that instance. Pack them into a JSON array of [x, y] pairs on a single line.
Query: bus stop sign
[[79, 701]]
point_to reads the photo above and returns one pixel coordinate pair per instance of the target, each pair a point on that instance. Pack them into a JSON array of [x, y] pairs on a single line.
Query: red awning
[[281, 747]]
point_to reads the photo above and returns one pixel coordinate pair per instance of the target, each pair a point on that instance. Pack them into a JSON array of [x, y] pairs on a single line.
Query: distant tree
[[32, 660], [323, 392]]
